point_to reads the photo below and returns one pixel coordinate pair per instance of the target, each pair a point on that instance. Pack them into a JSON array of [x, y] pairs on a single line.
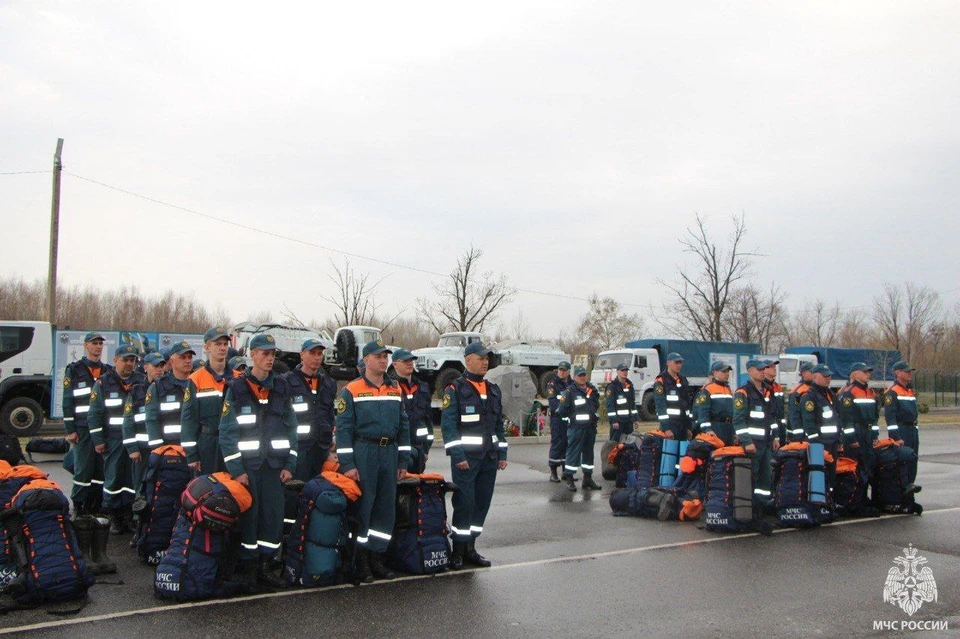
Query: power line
[[23, 172], [313, 244]]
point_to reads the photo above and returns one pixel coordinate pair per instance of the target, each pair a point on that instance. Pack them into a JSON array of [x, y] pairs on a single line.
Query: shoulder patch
[[186, 394], [888, 400], [809, 405], [147, 398], [607, 393], [66, 382], [93, 394], [128, 408], [738, 402], [226, 408], [659, 389], [445, 404], [563, 397], [551, 391], [847, 402], [341, 405], [702, 398]]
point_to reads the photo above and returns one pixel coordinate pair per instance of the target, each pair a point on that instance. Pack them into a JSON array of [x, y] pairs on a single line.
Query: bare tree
[[467, 299], [817, 324], [887, 312], [701, 294], [354, 296], [910, 319], [607, 325], [755, 315]]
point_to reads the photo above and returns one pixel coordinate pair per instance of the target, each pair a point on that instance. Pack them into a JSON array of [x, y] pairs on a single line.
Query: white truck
[[26, 363], [342, 349], [442, 364]]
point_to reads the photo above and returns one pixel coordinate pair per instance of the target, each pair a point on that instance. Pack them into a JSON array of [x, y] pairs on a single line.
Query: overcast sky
[[572, 141]]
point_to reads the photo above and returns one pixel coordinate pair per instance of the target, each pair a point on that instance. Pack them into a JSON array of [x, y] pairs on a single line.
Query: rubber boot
[[912, 489], [589, 484], [116, 523], [78, 509], [101, 537], [378, 568], [83, 527], [129, 524], [363, 574], [667, 507], [266, 576], [554, 477], [571, 486], [456, 557], [471, 556]]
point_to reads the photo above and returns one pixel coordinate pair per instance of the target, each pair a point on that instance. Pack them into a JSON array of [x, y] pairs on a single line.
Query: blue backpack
[[419, 545], [891, 478], [44, 547], [729, 504], [316, 549], [163, 484], [799, 478], [11, 481], [201, 548], [648, 466]]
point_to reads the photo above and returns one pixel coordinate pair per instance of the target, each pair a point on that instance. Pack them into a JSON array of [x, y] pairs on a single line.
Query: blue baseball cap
[[402, 355], [215, 333], [805, 367], [720, 366], [263, 342], [154, 359], [178, 348], [375, 348], [755, 363], [563, 366], [236, 362], [165, 353], [198, 364], [903, 366], [822, 369], [623, 367], [476, 348], [126, 350], [579, 370], [674, 357], [93, 335], [312, 343], [767, 363], [860, 366]]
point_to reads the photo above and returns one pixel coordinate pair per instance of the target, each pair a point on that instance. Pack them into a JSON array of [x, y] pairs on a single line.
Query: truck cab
[[644, 367], [26, 366], [289, 340]]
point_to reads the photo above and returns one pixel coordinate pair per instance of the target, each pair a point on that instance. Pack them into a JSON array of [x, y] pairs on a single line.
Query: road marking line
[[522, 564]]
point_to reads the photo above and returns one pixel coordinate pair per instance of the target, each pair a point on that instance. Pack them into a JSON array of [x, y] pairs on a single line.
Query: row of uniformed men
[[760, 415], [266, 429]]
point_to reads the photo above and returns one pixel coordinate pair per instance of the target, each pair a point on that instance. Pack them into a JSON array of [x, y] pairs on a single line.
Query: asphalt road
[[565, 566]]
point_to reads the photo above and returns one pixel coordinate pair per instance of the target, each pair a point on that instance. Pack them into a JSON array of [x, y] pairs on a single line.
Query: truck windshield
[[370, 336], [612, 360], [789, 364], [456, 341]]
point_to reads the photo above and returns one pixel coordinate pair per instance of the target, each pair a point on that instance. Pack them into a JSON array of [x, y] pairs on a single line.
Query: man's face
[[674, 367], [477, 364], [563, 373], [94, 349], [904, 377], [861, 377], [770, 372], [125, 365], [376, 364], [821, 380], [217, 349], [581, 380], [263, 358], [404, 368], [312, 359], [756, 374], [155, 371], [722, 376], [806, 376], [182, 364], [622, 375]]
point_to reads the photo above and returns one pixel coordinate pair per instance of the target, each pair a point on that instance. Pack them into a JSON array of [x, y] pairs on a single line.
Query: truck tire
[[648, 409], [347, 348], [21, 417], [280, 367], [545, 378], [444, 379]]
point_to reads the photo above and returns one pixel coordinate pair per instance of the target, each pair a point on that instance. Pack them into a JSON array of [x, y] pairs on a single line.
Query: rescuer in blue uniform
[[752, 422], [819, 411], [859, 417], [164, 401], [714, 405], [621, 402], [135, 438], [558, 425], [795, 432], [416, 401], [202, 403], [105, 421], [580, 404], [314, 394], [672, 398], [901, 413], [373, 446], [258, 437], [472, 424], [78, 381]]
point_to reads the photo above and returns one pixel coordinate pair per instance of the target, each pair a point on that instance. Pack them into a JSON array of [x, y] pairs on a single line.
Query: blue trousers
[[911, 437], [261, 527], [580, 442], [377, 466], [118, 490], [558, 441], [472, 501]]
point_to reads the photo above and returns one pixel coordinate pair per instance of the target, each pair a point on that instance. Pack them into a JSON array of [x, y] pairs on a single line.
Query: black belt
[[379, 441]]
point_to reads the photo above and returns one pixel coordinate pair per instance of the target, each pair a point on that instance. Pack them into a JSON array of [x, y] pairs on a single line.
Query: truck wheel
[[280, 367], [347, 348], [545, 378], [21, 417], [444, 379], [648, 409]]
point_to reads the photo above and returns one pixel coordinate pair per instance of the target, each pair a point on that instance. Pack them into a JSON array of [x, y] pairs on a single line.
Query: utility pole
[[54, 237]]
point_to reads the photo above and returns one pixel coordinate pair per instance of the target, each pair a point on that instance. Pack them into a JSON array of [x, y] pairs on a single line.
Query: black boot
[[116, 524], [378, 568], [266, 576], [911, 489], [246, 573], [471, 556], [554, 477], [362, 562], [589, 484], [456, 557], [83, 527], [572, 487], [101, 537]]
